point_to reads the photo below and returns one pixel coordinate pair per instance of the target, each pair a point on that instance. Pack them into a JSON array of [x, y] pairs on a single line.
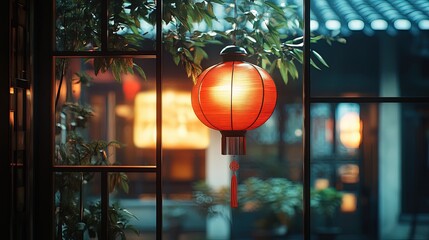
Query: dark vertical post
[[42, 15], [306, 119], [159, 40], [5, 150]]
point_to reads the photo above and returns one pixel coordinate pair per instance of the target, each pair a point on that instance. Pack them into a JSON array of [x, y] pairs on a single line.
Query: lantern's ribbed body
[[234, 96]]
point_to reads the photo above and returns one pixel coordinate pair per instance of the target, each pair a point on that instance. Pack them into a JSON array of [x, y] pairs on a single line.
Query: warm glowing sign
[[350, 130], [349, 173], [181, 129], [321, 183], [349, 202]]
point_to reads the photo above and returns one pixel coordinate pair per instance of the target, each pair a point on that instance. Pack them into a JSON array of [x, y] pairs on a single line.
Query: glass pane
[[340, 177], [185, 157], [133, 202], [197, 178], [101, 115], [78, 208], [374, 61], [373, 180], [132, 25], [77, 25], [322, 133], [77, 204]]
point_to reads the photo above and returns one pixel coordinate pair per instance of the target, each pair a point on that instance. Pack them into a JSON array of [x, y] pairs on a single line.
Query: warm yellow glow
[[11, 119], [349, 173], [321, 183], [221, 94], [11, 90], [348, 202], [124, 111], [181, 128], [182, 169], [350, 130], [63, 91], [76, 87]]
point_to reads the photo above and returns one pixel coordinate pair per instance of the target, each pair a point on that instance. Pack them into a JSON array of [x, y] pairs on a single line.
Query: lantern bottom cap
[[233, 145]]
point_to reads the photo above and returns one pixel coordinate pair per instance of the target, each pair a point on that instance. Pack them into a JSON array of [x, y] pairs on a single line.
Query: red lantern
[[234, 96]]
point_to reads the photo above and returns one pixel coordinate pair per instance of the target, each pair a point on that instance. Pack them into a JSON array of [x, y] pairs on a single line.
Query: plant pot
[[274, 233]]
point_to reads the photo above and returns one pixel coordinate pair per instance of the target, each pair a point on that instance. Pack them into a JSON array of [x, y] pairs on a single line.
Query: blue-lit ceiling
[[369, 16]]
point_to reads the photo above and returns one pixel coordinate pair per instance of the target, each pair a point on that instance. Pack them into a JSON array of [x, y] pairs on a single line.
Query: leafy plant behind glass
[[73, 218], [326, 202], [277, 200]]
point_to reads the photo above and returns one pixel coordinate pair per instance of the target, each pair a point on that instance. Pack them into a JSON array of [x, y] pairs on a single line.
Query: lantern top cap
[[233, 53], [232, 49]]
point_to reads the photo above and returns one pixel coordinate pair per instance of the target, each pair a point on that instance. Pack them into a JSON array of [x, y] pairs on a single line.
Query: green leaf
[[315, 38], [320, 58], [293, 70], [298, 53], [188, 68], [265, 63], [137, 22], [210, 10], [97, 66], [140, 71], [342, 40], [115, 144], [124, 182], [188, 54], [283, 68], [116, 71], [251, 39], [274, 6], [176, 59], [199, 55], [230, 20], [312, 63]]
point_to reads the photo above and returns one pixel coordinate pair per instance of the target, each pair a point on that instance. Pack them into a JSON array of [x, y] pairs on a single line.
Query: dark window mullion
[[306, 95], [159, 17]]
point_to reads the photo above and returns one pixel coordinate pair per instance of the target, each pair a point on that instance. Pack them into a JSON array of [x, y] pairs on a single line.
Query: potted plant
[[277, 201], [207, 199], [272, 202], [325, 203]]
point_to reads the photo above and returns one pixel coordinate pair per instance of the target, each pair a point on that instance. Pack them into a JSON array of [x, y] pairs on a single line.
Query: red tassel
[[234, 201], [234, 166]]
